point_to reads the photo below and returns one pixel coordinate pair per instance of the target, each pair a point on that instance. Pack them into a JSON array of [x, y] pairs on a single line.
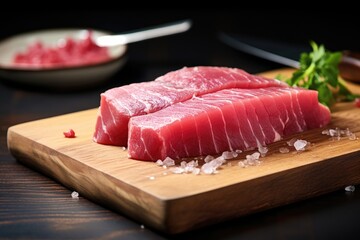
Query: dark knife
[[286, 54]]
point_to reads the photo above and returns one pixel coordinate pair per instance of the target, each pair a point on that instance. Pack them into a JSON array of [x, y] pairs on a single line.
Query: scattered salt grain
[[251, 160], [262, 150], [253, 157], [334, 132], [212, 166], [142, 226], [300, 145], [159, 162], [75, 195], [208, 158], [337, 133], [350, 188], [152, 178], [207, 168], [169, 162], [183, 164], [238, 151], [242, 164], [229, 154], [352, 137], [284, 150], [123, 148], [325, 132], [196, 171], [177, 170], [291, 142]]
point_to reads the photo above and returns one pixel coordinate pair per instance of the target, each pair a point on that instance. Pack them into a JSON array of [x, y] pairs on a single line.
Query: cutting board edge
[[36, 162], [171, 218], [166, 216], [316, 183]]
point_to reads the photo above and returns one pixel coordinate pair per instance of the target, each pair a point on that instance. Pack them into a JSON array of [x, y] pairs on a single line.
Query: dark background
[[34, 206], [338, 30]]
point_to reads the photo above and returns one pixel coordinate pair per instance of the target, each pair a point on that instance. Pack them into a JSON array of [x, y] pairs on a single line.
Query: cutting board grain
[[175, 203]]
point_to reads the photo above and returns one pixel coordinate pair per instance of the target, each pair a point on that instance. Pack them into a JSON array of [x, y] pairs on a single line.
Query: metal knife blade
[[285, 53], [247, 45]]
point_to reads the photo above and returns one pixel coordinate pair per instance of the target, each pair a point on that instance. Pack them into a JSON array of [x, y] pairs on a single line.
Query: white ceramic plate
[[57, 78]]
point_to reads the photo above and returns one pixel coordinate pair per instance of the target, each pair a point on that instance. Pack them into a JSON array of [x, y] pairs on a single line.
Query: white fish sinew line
[[197, 132], [145, 146], [194, 111], [160, 96], [247, 145], [147, 106], [257, 118], [274, 101], [212, 132], [131, 113], [182, 135], [239, 128], [113, 121], [226, 133], [300, 110], [293, 111], [276, 94], [277, 136]]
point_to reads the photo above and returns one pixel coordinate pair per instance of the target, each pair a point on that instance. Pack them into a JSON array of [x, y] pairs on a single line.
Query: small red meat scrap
[[357, 102], [69, 134]]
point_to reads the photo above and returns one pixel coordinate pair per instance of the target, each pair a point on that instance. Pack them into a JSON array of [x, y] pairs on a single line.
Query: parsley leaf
[[319, 71]]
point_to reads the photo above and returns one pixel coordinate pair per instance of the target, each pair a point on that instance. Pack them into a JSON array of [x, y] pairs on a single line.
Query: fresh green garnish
[[319, 71]]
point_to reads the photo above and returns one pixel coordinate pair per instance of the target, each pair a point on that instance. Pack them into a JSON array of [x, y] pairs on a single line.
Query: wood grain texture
[[176, 203]]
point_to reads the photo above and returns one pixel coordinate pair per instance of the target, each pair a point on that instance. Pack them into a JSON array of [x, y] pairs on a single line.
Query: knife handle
[[349, 66]]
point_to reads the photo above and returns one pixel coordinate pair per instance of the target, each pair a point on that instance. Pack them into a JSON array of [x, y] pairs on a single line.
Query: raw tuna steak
[[118, 105], [226, 120]]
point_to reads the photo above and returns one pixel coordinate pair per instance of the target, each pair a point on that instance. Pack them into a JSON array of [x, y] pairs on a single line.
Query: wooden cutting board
[[174, 203]]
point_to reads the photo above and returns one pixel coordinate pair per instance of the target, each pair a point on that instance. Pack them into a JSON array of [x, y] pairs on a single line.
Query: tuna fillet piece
[[226, 120], [119, 104]]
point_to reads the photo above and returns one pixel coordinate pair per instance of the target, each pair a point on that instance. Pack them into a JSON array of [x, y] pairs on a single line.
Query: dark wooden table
[[33, 206]]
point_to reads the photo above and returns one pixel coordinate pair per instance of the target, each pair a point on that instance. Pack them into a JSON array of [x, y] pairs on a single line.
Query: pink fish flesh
[[119, 104], [226, 120]]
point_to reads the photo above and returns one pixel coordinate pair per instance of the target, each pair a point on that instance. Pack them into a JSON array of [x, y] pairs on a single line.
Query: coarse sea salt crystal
[[152, 178], [251, 160], [208, 158], [337, 133], [169, 162], [352, 137], [291, 142], [177, 170], [229, 154], [196, 171], [333, 133], [254, 156], [75, 195], [159, 162], [212, 166], [300, 145], [183, 164], [284, 150], [350, 188], [207, 168], [242, 164], [325, 132], [263, 150]]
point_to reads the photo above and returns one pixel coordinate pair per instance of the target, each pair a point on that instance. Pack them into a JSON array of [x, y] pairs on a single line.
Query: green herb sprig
[[319, 71]]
